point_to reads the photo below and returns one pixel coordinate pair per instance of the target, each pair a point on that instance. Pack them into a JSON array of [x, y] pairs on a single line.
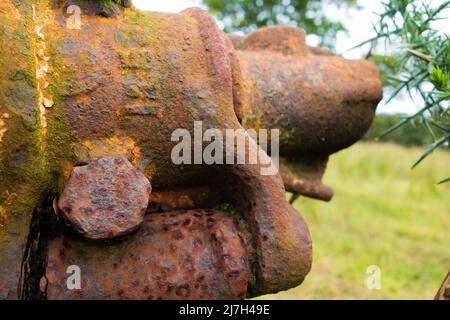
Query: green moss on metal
[[58, 153]]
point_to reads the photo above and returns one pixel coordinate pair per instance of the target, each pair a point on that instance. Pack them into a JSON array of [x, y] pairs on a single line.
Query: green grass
[[382, 214]]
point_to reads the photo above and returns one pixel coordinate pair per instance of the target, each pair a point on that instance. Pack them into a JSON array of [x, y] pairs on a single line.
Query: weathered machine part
[[105, 199], [303, 176], [119, 87], [175, 255], [321, 102], [444, 290]]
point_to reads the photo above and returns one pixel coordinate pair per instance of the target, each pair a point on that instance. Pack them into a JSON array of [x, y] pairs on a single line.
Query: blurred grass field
[[382, 214]]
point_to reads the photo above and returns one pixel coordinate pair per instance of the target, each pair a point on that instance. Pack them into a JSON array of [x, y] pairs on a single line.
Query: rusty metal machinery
[[86, 177]]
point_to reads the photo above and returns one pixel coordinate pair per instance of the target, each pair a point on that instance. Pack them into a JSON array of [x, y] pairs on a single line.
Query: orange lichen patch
[[3, 127], [137, 156], [3, 216], [91, 150], [150, 171]]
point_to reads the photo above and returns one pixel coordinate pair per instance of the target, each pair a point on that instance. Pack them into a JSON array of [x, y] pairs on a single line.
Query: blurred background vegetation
[[382, 214]]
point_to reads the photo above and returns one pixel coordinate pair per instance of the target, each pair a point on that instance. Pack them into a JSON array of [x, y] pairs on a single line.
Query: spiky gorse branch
[[406, 28]]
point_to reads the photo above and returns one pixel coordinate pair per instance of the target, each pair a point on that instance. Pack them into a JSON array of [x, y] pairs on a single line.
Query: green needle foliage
[[422, 64]]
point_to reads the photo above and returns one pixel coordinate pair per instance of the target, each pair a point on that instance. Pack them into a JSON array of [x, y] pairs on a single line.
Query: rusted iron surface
[[321, 102], [303, 176], [186, 198], [175, 255], [120, 87], [105, 199], [280, 237]]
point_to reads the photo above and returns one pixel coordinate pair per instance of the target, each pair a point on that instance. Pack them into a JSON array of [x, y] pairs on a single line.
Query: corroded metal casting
[[175, 255], [321, 102], [86, 118]]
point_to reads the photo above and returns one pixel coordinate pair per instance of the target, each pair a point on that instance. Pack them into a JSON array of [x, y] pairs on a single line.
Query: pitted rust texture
[[280, 236], [307, 183], [120, 87], [105, 199], [175, 255]]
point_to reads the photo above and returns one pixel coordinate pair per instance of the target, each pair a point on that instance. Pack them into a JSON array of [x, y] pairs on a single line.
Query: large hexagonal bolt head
[[105, 199]]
